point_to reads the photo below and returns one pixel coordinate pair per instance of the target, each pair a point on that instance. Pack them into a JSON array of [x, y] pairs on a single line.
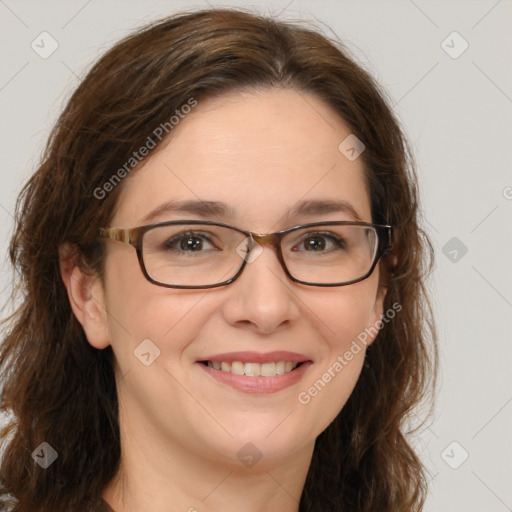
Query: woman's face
[[261, 154]]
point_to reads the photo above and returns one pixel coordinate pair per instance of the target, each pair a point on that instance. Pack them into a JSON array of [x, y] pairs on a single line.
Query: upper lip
[[258, 357]]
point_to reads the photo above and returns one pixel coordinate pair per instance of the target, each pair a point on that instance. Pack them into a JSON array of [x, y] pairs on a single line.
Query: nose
[[262, 299]]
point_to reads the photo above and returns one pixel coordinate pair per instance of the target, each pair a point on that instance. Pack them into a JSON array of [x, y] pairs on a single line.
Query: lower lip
[[258, 385]]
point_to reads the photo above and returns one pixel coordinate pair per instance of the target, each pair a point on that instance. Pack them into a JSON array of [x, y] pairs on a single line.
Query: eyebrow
[[209, 209], [322, 207], [204, 209]]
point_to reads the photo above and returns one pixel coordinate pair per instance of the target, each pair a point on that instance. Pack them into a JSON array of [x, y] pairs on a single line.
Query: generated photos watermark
[[361, 341], [156, 136]]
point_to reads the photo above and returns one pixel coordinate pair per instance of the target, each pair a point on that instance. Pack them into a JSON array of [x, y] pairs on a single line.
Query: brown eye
[[188, 242], [319, 242]]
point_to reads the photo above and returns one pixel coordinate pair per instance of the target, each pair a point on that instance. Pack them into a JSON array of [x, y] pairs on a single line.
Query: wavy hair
[[57, 388]]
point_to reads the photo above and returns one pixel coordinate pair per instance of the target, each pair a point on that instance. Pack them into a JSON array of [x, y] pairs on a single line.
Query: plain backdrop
[[446, 67]]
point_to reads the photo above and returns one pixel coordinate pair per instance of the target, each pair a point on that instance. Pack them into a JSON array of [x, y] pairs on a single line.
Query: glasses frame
[[134, 237]]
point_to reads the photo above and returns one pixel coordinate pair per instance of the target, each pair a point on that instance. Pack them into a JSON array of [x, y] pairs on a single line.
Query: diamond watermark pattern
[[351, 147], [45, 455], [44, 45], [146, 352], [454, 455], [249, 255], [454, 249], [249, 455], [454, 45]]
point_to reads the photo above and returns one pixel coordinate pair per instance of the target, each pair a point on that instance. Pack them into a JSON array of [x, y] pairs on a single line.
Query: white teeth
[[268, 369], [237, 368], [254, 369]]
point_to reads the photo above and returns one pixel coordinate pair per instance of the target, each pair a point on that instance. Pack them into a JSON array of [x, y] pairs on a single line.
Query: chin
[[261, 443]]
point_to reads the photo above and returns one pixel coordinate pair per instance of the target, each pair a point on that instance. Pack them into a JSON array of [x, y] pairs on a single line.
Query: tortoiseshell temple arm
[[390, 239], [127, 236]]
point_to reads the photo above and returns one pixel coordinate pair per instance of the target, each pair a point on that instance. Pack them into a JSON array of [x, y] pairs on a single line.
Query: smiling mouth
[[253, 369]]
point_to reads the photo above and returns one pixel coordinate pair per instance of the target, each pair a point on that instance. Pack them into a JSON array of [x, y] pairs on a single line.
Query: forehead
[[259, 153]]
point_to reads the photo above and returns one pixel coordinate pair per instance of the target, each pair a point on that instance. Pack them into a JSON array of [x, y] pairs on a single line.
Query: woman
[[167, 356]]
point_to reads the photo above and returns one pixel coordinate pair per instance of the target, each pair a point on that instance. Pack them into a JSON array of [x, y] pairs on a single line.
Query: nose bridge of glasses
[[269, 239], [265, 239]]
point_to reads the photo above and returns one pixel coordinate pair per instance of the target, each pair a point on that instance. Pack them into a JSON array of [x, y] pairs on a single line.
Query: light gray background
[[457, 113]]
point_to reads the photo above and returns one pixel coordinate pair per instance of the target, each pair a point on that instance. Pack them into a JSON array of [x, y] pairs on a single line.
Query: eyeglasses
[[203, 254]]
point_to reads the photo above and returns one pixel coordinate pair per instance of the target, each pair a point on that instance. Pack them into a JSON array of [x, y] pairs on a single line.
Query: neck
[[159, 475]]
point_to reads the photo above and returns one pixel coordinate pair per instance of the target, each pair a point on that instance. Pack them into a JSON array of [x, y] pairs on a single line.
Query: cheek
[[343, 320], [139, 311], [341, 315], [171, 319]]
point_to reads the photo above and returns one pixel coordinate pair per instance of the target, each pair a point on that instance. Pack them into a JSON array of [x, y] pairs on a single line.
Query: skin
[[180, 428]]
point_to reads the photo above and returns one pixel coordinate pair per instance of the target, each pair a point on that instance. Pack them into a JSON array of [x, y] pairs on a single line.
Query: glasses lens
[[330, 254], [192, 254], [205, 255]]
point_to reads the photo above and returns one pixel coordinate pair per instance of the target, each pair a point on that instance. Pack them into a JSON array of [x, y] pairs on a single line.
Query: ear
[[86, 296], [377, 313]]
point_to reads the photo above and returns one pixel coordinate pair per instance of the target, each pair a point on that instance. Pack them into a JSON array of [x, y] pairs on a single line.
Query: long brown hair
[[58, 389]]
